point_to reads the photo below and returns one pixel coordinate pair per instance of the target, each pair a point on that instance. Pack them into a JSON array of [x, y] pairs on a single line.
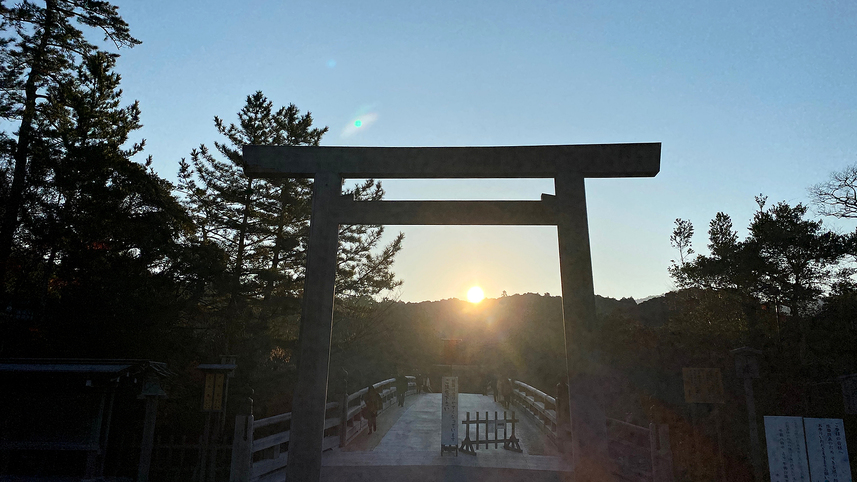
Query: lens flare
[[363, 120]]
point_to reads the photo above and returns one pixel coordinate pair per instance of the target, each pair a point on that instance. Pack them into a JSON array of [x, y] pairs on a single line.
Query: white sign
[[828, 454], [786, 449], [449, 411]]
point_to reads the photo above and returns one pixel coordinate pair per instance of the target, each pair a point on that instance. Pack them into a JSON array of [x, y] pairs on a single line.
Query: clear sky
[[746, 97]]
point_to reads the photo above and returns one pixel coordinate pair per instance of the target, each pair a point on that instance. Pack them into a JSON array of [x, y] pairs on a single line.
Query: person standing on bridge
[[427, 384], [373, 406], [401, 388], [491, 384], [504, 386]]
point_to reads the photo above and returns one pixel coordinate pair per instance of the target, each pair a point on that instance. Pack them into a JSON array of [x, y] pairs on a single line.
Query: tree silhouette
[[262, 226], [785, 260], [42, 52]]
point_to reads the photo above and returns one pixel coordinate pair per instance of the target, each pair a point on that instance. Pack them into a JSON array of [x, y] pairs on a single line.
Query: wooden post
[[242, 449], [722, 469], [698, 459], [151, 392], [588, 420], [105, 439], [148, 438], [213, 445], [747, 367], [310, 394], [343, 420], [755, 450], [203, 449]]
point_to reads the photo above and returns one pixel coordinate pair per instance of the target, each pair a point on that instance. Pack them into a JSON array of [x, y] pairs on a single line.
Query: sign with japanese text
[[217, 404], [786, 449], [449, 411], [212, 398], [826, 449], [702, 385]]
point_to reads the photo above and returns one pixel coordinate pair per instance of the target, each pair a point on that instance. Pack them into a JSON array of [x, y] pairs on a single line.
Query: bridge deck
[[407, 447]]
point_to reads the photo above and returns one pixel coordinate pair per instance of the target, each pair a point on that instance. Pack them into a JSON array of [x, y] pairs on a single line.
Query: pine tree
[[100, 262], [263, 226], [41, 52]]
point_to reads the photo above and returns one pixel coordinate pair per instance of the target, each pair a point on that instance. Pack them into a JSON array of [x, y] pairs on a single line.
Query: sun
[[475, 294]]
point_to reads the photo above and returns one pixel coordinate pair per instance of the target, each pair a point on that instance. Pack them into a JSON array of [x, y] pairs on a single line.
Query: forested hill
[[519, 335]]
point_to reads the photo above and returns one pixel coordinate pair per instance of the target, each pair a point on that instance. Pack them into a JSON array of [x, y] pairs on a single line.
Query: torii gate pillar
[[586, 396], [567, 165]]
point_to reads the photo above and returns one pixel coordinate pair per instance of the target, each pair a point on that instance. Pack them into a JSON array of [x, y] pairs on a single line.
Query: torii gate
[[568, 165]]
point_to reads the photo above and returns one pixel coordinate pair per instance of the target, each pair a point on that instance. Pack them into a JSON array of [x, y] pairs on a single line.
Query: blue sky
[[746, 97]]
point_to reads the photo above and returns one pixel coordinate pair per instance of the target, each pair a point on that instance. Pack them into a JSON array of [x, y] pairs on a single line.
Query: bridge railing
[[354, 422], [260, 447], [641, 453], [538, 404]]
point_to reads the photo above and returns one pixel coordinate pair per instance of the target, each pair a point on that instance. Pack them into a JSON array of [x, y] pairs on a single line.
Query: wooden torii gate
[[568, 165]]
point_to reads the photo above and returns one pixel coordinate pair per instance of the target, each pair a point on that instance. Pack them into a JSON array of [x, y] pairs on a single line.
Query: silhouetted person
[[491, 382], [419, 383], [401, 388], [427, 385], [504, 385], [373, 406], [498, 389]]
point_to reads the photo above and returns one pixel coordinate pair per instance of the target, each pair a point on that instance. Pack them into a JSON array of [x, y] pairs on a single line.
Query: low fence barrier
[[641, 453], [509, 441], [260, 447]]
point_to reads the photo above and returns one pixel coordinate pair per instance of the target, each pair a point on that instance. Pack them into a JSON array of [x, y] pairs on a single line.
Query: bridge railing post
[[343, 420], [242, 449]]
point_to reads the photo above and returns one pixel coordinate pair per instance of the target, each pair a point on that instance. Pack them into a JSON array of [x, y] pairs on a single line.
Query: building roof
[[82, 366]]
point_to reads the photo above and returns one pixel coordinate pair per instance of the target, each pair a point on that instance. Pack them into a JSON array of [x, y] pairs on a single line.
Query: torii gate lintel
[[568, 165]]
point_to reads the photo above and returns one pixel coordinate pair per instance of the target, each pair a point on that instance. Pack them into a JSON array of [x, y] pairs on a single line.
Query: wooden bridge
[[406, 445]]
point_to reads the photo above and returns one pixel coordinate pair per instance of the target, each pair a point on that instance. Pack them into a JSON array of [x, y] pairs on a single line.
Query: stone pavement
[[407, 447]]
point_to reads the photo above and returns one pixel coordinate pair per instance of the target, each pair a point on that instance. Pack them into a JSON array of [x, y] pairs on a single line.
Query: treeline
[[100, 257], [786, 289]]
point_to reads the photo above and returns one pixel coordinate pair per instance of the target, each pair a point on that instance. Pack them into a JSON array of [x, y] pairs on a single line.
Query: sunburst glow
[[475, 294]]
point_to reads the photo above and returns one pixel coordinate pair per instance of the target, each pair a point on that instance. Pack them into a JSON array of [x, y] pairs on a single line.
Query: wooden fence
[[642, 454], [260, 447]]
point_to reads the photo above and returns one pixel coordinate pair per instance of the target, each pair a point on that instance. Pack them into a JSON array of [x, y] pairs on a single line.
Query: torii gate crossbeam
[[568, 165]]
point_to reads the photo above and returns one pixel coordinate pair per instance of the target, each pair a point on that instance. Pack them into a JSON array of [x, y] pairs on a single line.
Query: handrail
[[539, 404], [343, 423], [264, 422], [535, 390]]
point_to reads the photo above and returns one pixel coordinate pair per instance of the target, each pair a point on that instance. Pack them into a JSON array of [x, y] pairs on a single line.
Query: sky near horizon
[[745, 97]]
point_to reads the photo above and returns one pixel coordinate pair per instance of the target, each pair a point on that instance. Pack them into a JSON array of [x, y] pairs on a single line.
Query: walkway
[[407, 447]]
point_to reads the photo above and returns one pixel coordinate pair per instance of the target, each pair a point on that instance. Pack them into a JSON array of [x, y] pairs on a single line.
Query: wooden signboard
[[212, 399], [449, 412]]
